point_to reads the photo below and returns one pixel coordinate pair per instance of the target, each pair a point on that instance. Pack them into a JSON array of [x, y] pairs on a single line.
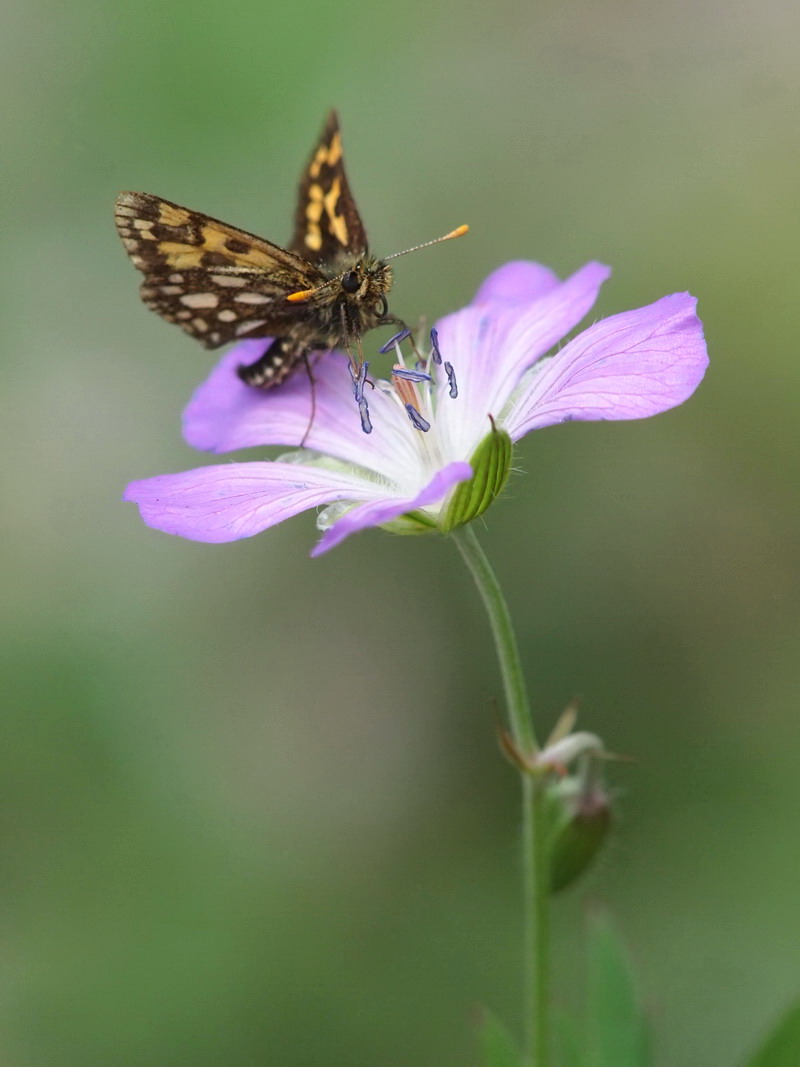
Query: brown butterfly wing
[[327, 221], [216, 282]]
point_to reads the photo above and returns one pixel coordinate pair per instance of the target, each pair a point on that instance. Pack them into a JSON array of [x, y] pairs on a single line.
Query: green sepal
[[491, 462], [413, 522]]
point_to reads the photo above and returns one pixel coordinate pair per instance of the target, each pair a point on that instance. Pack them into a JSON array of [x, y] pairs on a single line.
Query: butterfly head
[[358, 289], [364, 285]]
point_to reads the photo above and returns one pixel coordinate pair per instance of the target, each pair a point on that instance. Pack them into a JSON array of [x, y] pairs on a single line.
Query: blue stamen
[[411, 375], [417, 420], [363, 410], [436, 354], [359, 380], [398, 337], [451, 377]]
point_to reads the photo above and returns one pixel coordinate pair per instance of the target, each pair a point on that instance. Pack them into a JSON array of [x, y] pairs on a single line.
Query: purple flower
[[486, 380]]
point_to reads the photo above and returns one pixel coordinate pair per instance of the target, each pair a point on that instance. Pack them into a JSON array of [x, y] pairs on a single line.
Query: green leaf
[[782, 1047], [616, 1030], [498, 1047]]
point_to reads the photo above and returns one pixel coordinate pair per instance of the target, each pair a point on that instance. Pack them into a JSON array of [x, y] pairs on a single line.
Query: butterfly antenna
[[459, 231], [304, 294]]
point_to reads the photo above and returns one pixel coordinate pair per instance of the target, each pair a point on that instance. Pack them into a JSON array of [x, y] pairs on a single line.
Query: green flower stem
[[505, 641], [536, 882], [536, 905]]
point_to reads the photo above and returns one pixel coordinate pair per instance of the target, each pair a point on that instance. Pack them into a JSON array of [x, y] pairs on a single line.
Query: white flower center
[[415, 390]]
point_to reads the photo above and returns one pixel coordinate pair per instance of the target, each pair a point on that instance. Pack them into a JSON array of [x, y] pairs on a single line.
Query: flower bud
[[580, 820]]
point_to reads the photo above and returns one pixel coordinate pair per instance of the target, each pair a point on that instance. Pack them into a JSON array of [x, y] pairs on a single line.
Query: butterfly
[[222, 284]]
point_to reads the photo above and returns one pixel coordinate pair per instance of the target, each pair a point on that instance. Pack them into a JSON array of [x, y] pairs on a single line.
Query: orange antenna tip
[[299, 297], [459, 231]]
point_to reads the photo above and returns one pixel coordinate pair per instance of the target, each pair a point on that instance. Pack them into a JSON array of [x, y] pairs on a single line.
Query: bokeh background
[[252, 806]]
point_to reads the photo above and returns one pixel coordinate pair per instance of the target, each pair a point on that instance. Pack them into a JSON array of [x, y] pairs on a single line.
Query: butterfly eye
[[351, 282]]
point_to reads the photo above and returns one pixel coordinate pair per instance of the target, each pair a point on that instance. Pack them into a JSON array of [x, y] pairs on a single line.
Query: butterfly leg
[[277, 363], [313, 383], [392, 320]]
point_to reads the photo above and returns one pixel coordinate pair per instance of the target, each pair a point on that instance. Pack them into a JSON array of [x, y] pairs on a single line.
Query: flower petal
[[491, 345], [377, 512], [225, 414], [226, 503], [520, 281], [219, 416], [628, 366]]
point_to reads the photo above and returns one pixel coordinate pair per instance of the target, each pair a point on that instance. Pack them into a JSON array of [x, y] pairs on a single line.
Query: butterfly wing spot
[[325, 204], [241, 248], [236, 250], [313, 238], [314, 211], [336, 221], [226, 315], [178, 254], [335, 150], [315, 206], [172, 215], [252, 298], [320, 156], [248, 325], [232, 281], [329, 154], [200, 300]]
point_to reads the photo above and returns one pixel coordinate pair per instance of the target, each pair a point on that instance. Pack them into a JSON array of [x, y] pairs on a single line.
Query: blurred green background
[[252, 807]]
